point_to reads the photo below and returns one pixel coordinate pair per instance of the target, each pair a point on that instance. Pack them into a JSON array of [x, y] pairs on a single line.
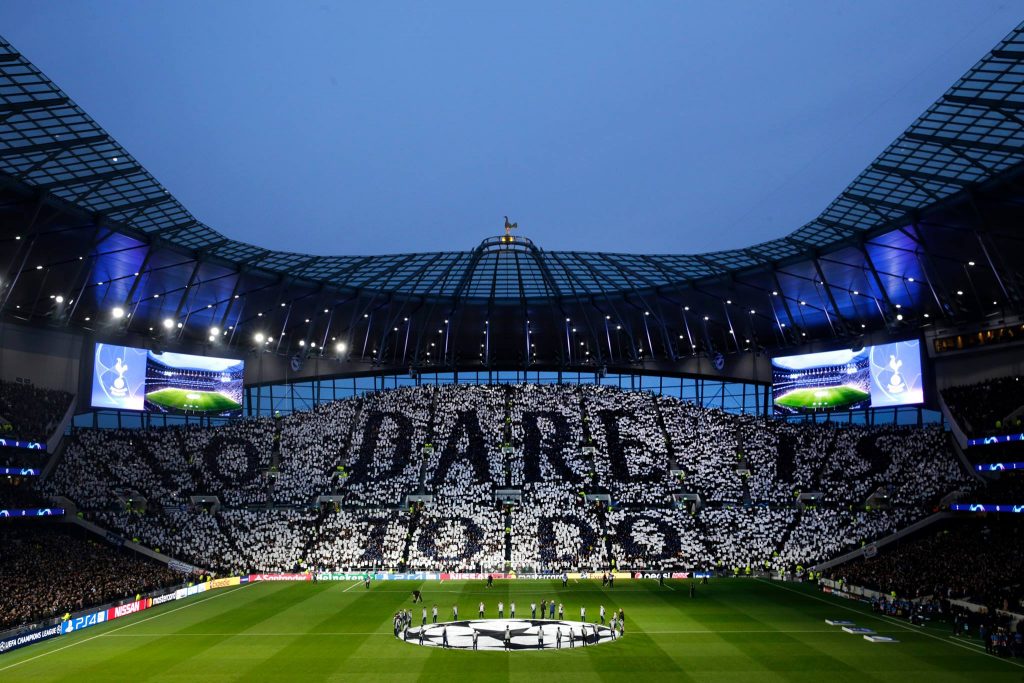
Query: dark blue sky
[[647, 127]]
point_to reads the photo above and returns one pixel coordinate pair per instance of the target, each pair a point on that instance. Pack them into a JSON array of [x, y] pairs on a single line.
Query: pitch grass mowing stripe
[[711, 649], [638, 651], [318, 663], [890, 620], [292, 601], [162, 656], [771, 648], [129, 625]]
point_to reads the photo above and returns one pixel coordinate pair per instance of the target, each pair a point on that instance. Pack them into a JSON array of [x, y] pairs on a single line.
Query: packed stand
[[384, 459], [31, 413], [556, 530], [983, 408], [46, 572], [551, 443], [458, 537], [632, 453], [969, 559], [167, 465], [468, 440]]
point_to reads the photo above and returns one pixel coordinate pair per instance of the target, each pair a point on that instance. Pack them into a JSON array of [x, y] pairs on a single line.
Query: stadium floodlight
[[59, 299], [899, 316], [258, 337], [212, 338], [214, 331], [970, 263], [312, 345], [168, 323], [340, 347], [118, 312], [302, 342]]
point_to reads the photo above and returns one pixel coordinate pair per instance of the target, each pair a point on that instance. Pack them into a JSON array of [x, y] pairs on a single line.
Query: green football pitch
[[199, 401], [733, 630], [821, 398]]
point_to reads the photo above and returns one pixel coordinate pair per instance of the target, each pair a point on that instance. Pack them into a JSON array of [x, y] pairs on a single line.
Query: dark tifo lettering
[[466, 425], [471, 533], [545, 440], [620, 448], [372, 463], [624, 533]]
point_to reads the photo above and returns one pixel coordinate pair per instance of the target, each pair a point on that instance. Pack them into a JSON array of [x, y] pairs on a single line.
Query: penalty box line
[[888, 620], [121, 628]]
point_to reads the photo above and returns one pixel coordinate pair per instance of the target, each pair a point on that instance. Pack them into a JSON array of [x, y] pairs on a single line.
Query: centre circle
[[510, 634]]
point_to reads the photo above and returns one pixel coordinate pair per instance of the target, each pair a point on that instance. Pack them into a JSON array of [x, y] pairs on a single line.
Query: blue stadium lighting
[[986, 507], [999, 466]]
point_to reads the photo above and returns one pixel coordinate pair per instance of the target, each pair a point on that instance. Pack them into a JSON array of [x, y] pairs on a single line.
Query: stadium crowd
[[550, 443], [47, 572], [30, 413], [983, 408], [959, 560]]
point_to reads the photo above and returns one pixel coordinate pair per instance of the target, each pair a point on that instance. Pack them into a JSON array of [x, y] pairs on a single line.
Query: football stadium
[[684, 414]]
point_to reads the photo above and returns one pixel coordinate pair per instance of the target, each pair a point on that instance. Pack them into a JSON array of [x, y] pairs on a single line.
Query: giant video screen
[[879, 376], [127, 378]]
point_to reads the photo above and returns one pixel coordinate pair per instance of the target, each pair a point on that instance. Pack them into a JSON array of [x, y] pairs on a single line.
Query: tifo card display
[[848, 379], [128, 378]]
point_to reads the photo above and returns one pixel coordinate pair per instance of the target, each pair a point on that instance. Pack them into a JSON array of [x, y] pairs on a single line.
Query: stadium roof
[[970, 134], [894, 244]]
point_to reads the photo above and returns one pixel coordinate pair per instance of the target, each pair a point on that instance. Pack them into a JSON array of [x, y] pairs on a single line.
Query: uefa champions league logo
[[119, 388]]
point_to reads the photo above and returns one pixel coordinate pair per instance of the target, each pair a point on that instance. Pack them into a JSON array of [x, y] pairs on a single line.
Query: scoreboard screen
[[879, 376], [127, 378]]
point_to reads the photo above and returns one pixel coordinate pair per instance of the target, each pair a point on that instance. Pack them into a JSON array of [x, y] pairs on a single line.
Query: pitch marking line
[[894, 622], [350, 587], [121, 628], [388, 633]]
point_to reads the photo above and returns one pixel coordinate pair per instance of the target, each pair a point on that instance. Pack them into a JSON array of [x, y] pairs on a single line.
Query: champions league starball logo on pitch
[[522, 634]]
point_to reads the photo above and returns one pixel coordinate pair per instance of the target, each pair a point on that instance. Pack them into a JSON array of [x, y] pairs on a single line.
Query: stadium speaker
[[156, 347]]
